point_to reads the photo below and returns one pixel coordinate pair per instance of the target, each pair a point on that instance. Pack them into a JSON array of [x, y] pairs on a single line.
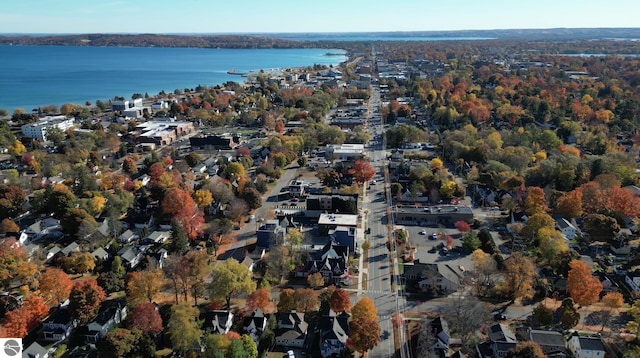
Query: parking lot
[[425, 244]]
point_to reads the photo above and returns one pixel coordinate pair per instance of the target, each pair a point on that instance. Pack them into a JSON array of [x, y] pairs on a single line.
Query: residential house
[[632, 279], [217, 321], [131, 256], [334, 332], [55, 250], [58, 326], [72, 247], [271, 232], [157, 237], [34, 350], [111, 313], [254, 324], [567, 229], [291, 330], [331, 262], [100, 254], [440, 331], [437, 278], [501, 341], [127, 237], [42, 228], [586, 347], [551, 342], [344, 235]]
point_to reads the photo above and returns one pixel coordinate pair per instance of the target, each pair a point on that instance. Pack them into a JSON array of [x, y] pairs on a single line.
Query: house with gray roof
[[111, 313], [217, 321], [586, 347], [334, 332], [292, 329], [131, 256], [551, 342], [35, 350], [439, 278]]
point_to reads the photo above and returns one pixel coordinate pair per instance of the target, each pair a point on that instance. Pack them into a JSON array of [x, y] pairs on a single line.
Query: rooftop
[[338, 219]]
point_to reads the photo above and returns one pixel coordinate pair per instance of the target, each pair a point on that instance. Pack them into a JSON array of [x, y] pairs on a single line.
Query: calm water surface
[[32, 76]]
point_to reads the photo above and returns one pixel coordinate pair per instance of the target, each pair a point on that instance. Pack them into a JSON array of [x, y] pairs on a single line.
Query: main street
[[379, 278]]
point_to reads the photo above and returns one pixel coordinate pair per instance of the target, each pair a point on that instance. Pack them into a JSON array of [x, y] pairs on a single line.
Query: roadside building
[[38, 130]]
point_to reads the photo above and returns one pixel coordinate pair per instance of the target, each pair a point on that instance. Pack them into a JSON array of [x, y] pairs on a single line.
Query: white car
[[291, 354], [423, 232]]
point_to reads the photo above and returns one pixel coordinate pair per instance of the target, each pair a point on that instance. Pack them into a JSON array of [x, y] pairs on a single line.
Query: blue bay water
[[32, 76]]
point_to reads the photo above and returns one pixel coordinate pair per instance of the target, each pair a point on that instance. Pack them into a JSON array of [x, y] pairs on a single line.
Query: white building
[[38, 130], [345, 151], [567, 229], [586, 347]]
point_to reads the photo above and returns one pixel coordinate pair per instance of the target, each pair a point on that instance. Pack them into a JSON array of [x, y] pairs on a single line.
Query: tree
[[535, 202], [364, 334], [569, 316], [470, 241], [230, 279], [19, 322], [16, 268], [293, 238], [129, 166], [55, 286], [306, 300], [126, 343], [74, 218], [146, 318], [259, 298], [528, 349], [340, 301], [570, 204], [485, 267], [365, 308], [236, 210], [542, 315], [362, 171], [193, 159], [582, 286], [279, 126], [330, 178], [462, 226], [12, 198], [535, 223], [601, 227], [7, 225], [234, 171], [217, 343], [315, 280], [197, 269], [110, 282], [144, 285], [184, 328], [252, 197], [519, 275], [178, 204], [79, 263], [202, 197], [85, 300], [287, 301], [550, 243], [244, 347], [467, 314]]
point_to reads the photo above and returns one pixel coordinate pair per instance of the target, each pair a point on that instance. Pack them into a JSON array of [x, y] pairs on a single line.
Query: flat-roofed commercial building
[[432, 215]]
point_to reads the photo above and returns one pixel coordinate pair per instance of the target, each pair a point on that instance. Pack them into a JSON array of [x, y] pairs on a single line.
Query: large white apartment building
[[38, 130]]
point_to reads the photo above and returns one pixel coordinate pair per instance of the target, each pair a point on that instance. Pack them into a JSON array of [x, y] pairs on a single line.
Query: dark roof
[[334, 327], [108, 311], [61, 316], [501, 333], [591, 343], [547, 338], [215, 321]]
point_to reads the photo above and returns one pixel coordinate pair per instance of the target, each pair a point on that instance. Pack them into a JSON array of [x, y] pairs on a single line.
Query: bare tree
[[426, 340], [467, 314], [236, 209]]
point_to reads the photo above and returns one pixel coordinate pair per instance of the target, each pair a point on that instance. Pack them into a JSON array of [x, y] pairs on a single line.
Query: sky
[[308, 16]]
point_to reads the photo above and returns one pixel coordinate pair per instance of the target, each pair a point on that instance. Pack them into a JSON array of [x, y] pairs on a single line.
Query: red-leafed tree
[[85, 300], [146, 318], [462, 226], [259, 298], [55, 286], [279, 126], [243, 152], [178, 204], [19, 322], [570, 204], [340, 301], [129, 166], [362, 171], [156, 170], [12, 198]]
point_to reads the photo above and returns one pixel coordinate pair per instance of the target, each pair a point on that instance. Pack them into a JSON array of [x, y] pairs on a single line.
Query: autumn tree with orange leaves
[[85, 300], [583, 287], [179, 205], [570, 204], [55, 286], [259, 298], [535, 202], [362, 171], [19, 322], [365, 308], [146, 318], [364, 334], [340, 301]]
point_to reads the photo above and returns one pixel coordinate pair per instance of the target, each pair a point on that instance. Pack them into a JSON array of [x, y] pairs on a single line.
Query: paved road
[[379, 272]]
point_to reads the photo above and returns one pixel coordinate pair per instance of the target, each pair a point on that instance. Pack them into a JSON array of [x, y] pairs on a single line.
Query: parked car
[[290, 354], [423, 232], [499, 317], [434, 236]]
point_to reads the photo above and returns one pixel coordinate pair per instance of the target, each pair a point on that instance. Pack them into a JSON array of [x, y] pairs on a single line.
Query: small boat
[[234, 72]]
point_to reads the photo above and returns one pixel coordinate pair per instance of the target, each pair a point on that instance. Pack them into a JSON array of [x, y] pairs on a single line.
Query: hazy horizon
[[294, 17]]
